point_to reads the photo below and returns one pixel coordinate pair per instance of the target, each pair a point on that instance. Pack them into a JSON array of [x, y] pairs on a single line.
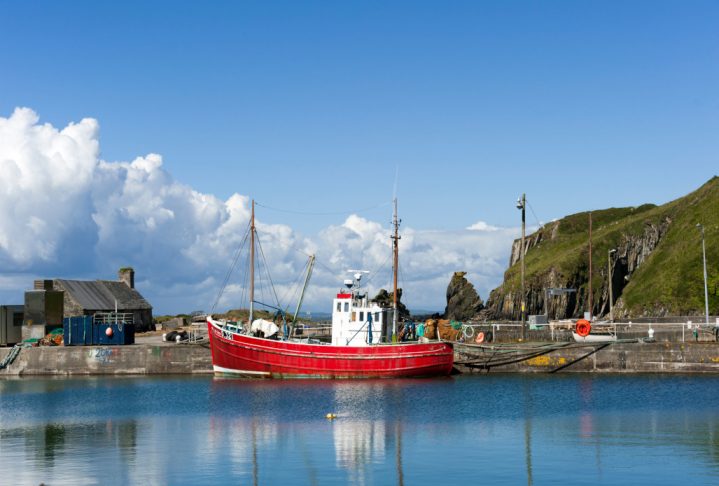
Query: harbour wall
[[139, 359], [636, 357], [145, 359]]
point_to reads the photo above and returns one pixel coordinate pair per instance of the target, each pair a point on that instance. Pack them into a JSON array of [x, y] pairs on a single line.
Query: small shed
[[88, 297], [11, 317]]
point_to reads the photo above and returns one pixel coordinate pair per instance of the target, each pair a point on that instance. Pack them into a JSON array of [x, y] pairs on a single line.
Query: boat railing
[[311, 331], [360, 330], [232, 326]]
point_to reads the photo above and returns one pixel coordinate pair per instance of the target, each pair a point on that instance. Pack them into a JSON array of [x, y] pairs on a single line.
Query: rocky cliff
[[463, 302], [656, 262]]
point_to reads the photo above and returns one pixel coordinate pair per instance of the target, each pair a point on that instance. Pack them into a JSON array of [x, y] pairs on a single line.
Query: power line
[[330, 213], [534, 214]]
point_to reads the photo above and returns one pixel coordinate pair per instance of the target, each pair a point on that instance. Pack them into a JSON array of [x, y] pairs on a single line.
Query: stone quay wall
[[138, 359]]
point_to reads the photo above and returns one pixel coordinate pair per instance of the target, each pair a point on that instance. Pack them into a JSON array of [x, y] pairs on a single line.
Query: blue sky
[[315, 106]]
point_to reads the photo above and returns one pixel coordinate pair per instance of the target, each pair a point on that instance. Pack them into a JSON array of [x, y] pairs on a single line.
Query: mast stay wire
[[329, 213], [229, 271], [293, 290], [372, 274], [244, 287], [377, 269], [267, 271]]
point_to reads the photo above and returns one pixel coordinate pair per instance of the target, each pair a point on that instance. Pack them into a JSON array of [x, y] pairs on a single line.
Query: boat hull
[[242, 355], [594, 338]]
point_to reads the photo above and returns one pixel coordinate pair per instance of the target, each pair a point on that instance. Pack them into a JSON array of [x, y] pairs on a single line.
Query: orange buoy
[[108, 332], [480, 338], [583, 327]]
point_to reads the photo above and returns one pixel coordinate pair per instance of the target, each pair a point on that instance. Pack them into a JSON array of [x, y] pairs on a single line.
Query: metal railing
[[113, 318]]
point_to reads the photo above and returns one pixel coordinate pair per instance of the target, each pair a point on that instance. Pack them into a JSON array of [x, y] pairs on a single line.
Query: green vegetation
[[669, 281], [244, 314]]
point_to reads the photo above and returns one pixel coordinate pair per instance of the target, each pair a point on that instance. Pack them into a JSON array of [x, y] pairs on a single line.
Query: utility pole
[[522, 204], [395, 269], [609, 274], [706, 291], [590, 267]]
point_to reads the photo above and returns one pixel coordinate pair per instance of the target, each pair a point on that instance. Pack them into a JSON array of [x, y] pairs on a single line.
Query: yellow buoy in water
[[330, 416]]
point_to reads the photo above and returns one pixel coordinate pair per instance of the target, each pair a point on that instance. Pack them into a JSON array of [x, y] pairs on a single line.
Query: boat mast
[[310, 266], [395, 267], [590, 266], [252, 262]]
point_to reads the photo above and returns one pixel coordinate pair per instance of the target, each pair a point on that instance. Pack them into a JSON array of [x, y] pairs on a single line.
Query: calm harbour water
[[489, 429]]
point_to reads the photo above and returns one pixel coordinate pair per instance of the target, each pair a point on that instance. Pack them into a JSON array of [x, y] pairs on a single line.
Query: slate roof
[[101, 295]]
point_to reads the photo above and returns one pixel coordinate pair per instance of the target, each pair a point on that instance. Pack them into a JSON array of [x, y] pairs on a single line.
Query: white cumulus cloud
[[69, 214]]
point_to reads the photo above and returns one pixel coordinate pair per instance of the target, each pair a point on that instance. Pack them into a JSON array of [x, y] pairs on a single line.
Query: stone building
[[88, 297]]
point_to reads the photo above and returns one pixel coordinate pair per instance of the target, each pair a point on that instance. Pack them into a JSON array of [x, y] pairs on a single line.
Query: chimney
[[127, 275], [43, 285]]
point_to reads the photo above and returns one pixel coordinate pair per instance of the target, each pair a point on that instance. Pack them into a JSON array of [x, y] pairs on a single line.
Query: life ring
[[480, 338], [583, 327]]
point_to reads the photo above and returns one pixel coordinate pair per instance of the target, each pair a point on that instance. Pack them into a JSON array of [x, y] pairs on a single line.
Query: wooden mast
[[395, 267], [252, 262], [590, 266]]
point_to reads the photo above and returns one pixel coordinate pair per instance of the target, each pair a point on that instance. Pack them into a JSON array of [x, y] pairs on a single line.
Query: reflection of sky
[[603, 430]]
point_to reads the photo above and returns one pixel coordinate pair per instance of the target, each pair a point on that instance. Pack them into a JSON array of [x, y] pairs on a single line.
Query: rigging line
[[244, 285], [329, 213], [539, 225], [293, 290], [267, 270], [229, 272], [330, 270], [400, 277], [375, 272]]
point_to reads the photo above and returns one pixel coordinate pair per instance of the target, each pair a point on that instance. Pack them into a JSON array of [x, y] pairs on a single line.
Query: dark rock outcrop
[[463, 301], [386, 299]]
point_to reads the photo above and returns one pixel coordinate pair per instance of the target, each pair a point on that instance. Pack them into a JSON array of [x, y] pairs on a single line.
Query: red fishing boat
[[364, 340]]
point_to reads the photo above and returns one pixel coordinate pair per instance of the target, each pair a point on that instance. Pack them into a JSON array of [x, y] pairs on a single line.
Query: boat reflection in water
[[508, 430], [358, 443]]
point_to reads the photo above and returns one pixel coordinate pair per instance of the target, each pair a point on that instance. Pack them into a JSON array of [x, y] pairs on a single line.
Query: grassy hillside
[[668, 279], [673, 275]]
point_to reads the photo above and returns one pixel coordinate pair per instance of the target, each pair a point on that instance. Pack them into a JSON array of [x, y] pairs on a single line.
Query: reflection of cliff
[[54, 447], [52, 441]]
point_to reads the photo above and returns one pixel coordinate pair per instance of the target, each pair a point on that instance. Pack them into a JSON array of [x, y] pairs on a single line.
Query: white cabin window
[[376, 316], [339, 306], [361, 316], [347, 306]]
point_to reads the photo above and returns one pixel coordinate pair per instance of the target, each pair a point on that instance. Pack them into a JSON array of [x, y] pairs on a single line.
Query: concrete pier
[[168, 358], [139, 359], [637, 357]]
